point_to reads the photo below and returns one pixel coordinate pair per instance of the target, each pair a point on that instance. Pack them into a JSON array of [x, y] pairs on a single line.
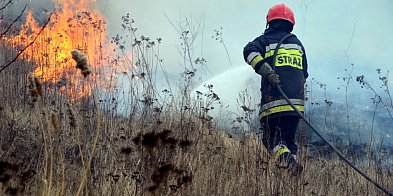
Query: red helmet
[[280, 11]]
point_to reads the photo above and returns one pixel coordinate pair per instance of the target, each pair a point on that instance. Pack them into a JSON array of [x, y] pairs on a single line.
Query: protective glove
[[263, 69], [274, 79]]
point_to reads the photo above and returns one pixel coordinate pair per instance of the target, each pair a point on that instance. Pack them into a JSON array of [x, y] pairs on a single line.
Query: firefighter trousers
[[280, 130]]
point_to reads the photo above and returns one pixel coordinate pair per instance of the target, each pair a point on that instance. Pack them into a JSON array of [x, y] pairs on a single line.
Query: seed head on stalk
[[81, 62]]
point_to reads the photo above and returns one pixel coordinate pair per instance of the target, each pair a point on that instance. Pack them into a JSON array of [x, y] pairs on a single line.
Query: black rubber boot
[[287, 160], [294, 167]]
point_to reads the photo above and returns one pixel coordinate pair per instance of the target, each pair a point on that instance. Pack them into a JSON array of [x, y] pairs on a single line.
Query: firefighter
[[279, 122]]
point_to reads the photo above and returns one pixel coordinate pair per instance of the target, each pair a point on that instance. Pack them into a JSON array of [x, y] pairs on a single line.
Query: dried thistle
[[35, 88], [71, 116], [55, 122], [81, 62], [38, 86]]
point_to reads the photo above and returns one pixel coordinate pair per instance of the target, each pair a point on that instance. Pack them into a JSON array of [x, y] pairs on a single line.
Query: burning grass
[[74, 26]]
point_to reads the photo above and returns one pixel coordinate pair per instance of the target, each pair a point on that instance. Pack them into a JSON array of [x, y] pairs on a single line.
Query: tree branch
[[5, 6], [13, 22], [23, 49]]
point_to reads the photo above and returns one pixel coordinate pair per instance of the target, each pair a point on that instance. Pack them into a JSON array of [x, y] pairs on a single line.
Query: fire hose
[[341, 155]]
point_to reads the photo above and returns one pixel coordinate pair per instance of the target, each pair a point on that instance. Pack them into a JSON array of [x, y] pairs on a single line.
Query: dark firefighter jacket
[[291, 66]]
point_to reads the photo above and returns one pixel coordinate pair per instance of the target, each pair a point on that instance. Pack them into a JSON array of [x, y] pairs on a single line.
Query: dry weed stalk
[[55, 122], [81, 62], [91, 154], [71, 116], [35, 88], [38, 86]]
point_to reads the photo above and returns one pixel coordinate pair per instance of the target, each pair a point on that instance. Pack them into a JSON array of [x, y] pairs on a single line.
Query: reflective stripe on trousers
[[280, 106]]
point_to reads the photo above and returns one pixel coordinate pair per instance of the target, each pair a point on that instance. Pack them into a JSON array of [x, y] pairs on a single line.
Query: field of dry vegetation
[[51, 145]]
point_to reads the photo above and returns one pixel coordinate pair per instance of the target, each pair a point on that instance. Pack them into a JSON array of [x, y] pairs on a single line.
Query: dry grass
[[49, 153]]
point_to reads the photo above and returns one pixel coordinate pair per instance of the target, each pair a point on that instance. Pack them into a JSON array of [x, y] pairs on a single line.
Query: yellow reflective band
[[289, 60], [285, 108], [256, 60], [283, 51], [286, 46], [287, 57], [281, 102], [281, 151]]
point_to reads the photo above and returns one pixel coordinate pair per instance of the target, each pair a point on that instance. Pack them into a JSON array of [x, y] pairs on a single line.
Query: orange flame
[[75, 24]]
